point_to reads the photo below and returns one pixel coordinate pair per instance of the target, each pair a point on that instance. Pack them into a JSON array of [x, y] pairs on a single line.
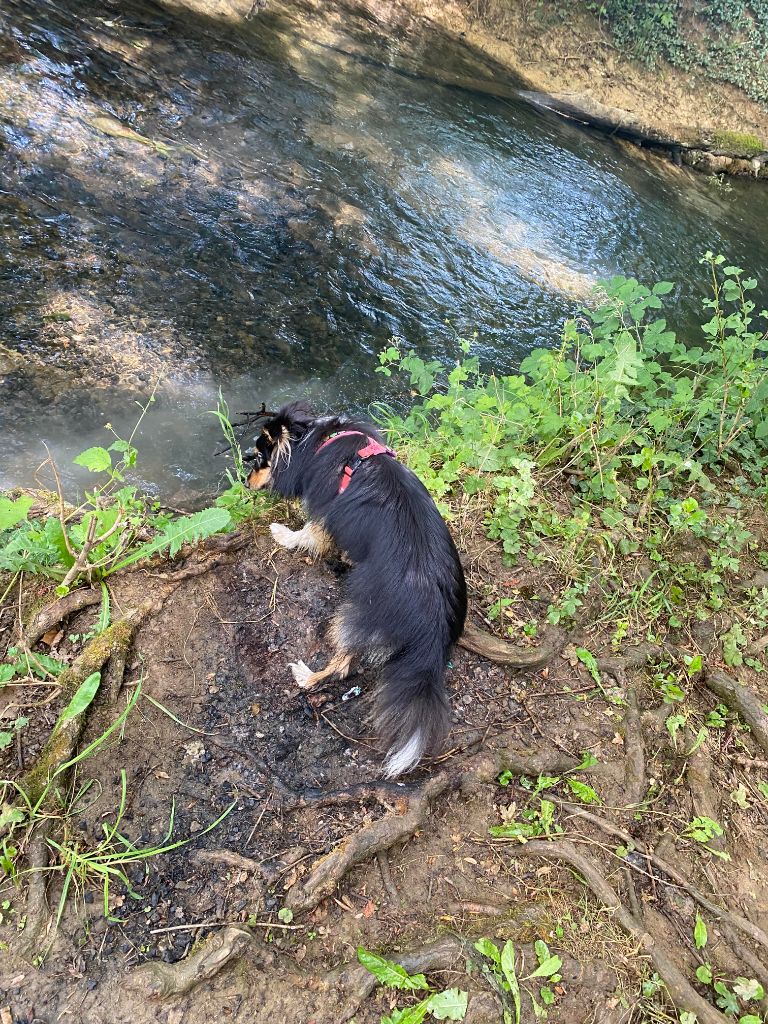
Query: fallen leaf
[[618, 739], [369, 909]]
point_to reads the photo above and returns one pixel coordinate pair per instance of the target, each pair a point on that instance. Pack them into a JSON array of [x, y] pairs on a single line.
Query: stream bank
[[569, 63]]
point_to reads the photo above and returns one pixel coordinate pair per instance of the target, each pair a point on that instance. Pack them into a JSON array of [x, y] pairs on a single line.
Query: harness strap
[[372, 448]]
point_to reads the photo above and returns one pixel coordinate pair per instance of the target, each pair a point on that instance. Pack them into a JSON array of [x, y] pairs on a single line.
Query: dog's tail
[[412, 711]]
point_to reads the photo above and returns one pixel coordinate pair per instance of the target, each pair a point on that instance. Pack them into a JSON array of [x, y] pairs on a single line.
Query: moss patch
[[738, 143]]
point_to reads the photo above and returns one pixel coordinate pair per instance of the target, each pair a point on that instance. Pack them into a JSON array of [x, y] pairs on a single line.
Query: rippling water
[[301, 189]]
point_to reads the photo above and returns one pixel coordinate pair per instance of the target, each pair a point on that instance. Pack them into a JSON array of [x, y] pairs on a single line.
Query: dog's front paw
[[301, 673], [283, 536]]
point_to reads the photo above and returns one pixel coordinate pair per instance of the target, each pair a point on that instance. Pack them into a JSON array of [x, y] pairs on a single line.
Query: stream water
[[259, 204]]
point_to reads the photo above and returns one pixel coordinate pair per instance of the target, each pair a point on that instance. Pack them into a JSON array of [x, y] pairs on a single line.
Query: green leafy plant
[[499, 968], [450, 1004]]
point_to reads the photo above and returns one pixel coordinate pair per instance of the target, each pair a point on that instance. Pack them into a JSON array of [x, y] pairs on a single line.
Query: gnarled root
[[410, 813], [359, 982], [56, 612], [162, 981], [501, 651], [37, 917], [681, 992], [59, 748], [740, 699]]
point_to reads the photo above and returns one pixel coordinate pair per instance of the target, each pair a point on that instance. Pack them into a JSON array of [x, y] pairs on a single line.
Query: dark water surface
[[313, 192]]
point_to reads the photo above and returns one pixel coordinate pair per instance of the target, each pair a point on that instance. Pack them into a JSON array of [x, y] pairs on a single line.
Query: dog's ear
[[297, 418]]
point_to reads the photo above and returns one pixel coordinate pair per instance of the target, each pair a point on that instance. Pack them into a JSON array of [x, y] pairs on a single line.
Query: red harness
[[372, 448]]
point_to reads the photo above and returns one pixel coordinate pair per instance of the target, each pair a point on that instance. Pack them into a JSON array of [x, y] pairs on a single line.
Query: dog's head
[[273, 445]]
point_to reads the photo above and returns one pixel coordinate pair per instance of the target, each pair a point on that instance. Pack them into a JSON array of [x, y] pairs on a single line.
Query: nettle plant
[[631, 414]]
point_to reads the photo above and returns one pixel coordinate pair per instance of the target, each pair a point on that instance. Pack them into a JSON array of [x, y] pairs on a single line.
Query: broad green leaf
[[510, 975], [285, 914], [588, 659], [726, 999], [94, 459], [13, 512], [7, 672], [700, 932], [750, 1018], [104, 612], [583, 792], [410, 1015], [390, 974], [546, 969], [84, 694], [748, 989], [704, 974], [489, 949], [448, 1005], [701, 736], [186, 530], [6, 738]]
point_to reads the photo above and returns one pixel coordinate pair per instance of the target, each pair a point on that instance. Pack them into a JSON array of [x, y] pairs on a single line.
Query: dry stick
[[740, 699], [55, 613], [681, 992], [504, 653], [734, 920], [414, 806]]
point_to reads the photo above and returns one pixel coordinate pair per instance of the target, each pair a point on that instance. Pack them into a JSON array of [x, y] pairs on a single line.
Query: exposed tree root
[[740, 699], [383, 792], [503, 652], [228, 858], [410, 814], [386, 878], [37, 916], [61, 744], [681, 992], [703, 793], [634, 751], [360, 983], [162, 981], [56, 612], [735, 921]]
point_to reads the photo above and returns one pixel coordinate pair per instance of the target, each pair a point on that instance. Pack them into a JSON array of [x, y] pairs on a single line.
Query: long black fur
[[406, 597]]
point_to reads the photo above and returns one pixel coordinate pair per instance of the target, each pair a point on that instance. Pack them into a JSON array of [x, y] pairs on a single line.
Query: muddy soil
[[216, 658]]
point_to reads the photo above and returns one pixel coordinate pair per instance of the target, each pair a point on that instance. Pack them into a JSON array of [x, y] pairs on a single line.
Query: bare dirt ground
[[203, 940]]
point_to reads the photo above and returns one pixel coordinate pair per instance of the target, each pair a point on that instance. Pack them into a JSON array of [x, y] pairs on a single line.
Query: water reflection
[[259, 205]]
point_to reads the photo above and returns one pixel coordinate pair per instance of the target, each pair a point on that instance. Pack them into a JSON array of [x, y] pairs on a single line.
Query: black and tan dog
[[406, 598]]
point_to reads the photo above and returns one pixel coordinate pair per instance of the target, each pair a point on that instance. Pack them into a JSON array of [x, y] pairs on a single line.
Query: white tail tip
[[400, 761]]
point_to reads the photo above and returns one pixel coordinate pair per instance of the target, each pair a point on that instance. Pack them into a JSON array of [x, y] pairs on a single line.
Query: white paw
[[282, 535], [301, 674]]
